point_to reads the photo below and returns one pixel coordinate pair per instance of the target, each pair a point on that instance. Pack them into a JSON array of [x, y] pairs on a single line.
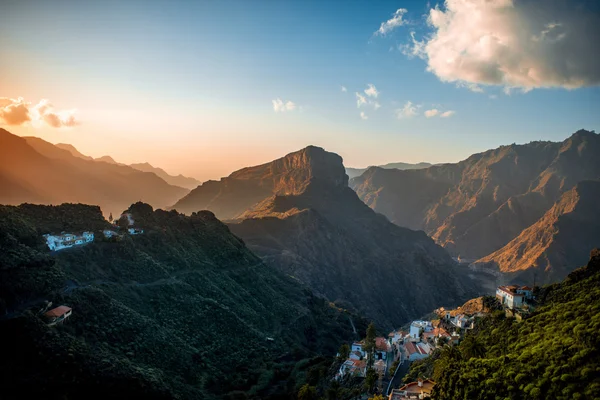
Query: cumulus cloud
[[371, 91], [392, 23], [18, 111], [407, 111], [344, 89], [281, 106], [447, 114], [431, 113], [363, 116], [516, 44]]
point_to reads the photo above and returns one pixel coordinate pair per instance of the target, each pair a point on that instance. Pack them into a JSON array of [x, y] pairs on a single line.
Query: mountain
[[179, 180], [300, 216], [183, 310], [558, 242], [71, 149], [354, 172], [35, 171], [478, 205], [552, 353]]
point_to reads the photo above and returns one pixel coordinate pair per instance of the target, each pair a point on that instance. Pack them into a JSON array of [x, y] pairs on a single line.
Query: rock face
[[35, 171], [232, 196], [478, 205], [558, 242], [300, 216]]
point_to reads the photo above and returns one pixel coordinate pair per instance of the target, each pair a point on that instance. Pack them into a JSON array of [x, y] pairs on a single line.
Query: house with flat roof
[[57, 315], [414, 390], [513, 296]]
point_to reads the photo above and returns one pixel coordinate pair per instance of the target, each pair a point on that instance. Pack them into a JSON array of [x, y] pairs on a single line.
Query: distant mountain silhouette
[[479, 205], [35, 171], [179, 180], [300, 216], [354, 172], [558, 242]]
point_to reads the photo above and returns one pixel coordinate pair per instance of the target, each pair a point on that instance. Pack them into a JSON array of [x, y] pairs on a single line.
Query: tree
[[344, 351], [370, 343], [370, 379], [110, 218], [307, 392], [377, 397]]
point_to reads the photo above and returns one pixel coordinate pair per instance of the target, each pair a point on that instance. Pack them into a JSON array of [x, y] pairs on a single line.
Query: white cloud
[[431, 113], [281, 106], [515, 44], [493, 96], [360, 99], [447, 114], [409, 110], [363, 116], [18, 111], [344, 89], [392, 23], [371, 91]]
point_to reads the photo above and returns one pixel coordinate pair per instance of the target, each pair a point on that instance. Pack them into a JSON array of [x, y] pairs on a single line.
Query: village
[[64, 240], [392, 356]]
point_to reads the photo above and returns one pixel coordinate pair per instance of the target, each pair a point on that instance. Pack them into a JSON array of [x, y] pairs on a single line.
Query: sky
[[204, 88]]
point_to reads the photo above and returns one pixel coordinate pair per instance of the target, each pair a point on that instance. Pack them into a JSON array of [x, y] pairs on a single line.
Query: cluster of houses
[[67, 240], [356, 364]]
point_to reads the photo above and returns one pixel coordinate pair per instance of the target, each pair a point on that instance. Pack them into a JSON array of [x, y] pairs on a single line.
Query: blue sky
[[189, 86]]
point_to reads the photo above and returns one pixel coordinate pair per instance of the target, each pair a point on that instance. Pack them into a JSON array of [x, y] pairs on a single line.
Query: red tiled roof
[[382, 344], [410, 348], [526, 288], [58, 311]]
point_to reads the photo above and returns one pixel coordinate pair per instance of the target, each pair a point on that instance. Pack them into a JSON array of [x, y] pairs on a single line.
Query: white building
[[417, 327], [67, 240], [108, 233], [417, 351], [513, 296], [135, 231]]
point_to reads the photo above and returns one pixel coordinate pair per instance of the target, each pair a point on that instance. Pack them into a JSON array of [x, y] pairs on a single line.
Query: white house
[[512, 296], [357, 346], [67, 240], [108, 233], [462, 321], [382, 348], [416, 327], [135, 231]]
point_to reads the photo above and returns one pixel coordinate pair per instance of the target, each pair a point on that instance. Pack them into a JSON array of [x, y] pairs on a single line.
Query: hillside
[[557, 243], [553, 354], [354, 172], [181, 311], [299, 215], [478, 205], [35, 171]]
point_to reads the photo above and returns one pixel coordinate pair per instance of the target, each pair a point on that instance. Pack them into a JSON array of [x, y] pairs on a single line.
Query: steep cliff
[[478, 205], [300, 216]]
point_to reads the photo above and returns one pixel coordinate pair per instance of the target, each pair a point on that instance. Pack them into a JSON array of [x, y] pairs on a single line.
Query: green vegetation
[[553, 354], [184, 310]]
